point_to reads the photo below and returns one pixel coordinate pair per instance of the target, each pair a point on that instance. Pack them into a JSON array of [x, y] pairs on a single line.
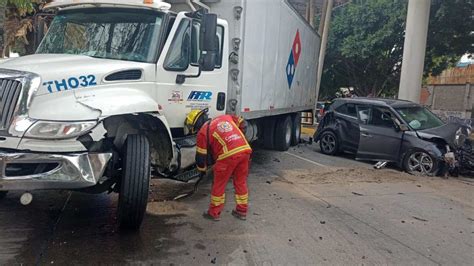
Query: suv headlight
[[59, 130]]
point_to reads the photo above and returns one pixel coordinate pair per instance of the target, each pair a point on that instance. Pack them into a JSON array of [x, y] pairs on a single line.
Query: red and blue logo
[[294, 59]]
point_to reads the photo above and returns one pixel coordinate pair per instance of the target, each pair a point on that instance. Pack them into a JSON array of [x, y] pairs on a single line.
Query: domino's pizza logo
[[294, 58]]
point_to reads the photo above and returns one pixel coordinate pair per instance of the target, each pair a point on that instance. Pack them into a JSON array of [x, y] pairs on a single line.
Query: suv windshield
[[122, 34], [419, 118]]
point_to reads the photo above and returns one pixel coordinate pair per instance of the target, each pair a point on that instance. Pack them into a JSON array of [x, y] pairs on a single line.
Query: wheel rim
[[420, 162], [328, 143], [288, 133]]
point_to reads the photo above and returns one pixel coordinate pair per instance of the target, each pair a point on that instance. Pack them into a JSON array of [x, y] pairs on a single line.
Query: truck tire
[[269, 133], [135, 182], [283, 133], [3, 194], [296, 131]]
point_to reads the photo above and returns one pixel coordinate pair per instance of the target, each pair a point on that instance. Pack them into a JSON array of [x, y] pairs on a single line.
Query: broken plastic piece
[[380, 165]]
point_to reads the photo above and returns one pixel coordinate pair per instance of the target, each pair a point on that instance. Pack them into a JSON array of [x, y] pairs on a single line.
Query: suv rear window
[[347, 109]]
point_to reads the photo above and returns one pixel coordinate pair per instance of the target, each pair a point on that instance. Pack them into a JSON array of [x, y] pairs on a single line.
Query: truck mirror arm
[[180, 78]]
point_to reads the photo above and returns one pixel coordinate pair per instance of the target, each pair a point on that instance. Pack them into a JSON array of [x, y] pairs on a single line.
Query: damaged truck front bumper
[[40, 171]]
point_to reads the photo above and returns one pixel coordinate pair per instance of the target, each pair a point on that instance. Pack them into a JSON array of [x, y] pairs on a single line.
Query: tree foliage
[[23, 7], [450, 34], [365, 46], [19, 23]]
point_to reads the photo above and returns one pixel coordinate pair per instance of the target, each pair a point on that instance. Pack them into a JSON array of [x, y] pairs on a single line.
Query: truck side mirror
[[208, 42]]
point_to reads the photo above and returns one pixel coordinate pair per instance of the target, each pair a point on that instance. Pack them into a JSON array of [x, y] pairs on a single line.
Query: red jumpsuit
[[230, 150]]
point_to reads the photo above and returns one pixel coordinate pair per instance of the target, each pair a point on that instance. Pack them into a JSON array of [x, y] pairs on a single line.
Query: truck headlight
[[59, 130], [20, 125]]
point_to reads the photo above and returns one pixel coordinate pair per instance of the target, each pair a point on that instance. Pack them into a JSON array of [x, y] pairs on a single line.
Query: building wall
[[451, 94], [450, 100]]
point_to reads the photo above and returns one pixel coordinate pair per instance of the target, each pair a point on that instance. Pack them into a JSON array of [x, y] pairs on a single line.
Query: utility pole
[[2, 35], [324, 10], [311, 12], [324, 42], [414, 50]]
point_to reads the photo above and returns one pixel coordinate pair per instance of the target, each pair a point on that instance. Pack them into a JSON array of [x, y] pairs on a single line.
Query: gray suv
[[402, 132]]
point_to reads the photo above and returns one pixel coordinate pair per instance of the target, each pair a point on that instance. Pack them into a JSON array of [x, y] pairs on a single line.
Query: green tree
[[19, 24], [23, 7], [450, 34], [365, 46]]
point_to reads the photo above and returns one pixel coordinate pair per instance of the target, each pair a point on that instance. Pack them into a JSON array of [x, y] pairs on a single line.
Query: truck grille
[[9, 93]]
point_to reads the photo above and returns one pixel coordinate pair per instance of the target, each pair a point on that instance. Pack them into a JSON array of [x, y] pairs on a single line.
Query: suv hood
[[446, 132], [69, 72]]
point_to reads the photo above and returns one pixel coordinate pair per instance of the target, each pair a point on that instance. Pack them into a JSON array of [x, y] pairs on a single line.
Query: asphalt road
[[306, 208]]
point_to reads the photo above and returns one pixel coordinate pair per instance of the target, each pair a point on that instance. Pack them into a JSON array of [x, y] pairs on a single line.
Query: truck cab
[[97, 105], [101, 105]]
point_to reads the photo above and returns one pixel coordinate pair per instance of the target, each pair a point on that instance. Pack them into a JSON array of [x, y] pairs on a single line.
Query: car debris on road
[[380, 165]]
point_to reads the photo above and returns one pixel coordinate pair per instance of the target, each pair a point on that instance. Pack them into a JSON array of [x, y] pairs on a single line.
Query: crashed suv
[[387, 130]]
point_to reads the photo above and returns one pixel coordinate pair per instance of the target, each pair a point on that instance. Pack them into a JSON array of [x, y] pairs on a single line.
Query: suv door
[[348, 131], [379, 138]]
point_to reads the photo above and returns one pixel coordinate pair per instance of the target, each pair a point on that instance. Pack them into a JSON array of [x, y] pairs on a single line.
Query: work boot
[[239, 215], [206, 215]]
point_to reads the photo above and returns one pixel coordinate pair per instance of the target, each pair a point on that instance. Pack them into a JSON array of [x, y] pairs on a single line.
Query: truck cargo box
[[273, 58]]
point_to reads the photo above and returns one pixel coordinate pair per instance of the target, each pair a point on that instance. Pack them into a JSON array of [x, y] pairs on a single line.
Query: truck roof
[[147, 4]]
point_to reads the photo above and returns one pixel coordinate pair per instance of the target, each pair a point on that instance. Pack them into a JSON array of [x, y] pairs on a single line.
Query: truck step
[[186, 176]]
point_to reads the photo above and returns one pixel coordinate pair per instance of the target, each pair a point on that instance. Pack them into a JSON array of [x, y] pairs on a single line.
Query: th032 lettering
[[70, 83]]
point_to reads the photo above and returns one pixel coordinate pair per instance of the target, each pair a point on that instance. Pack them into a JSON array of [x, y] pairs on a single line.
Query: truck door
[[379, 139], [180, 58]]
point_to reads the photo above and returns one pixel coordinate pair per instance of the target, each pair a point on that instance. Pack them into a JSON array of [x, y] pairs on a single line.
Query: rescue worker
[[222, 140]]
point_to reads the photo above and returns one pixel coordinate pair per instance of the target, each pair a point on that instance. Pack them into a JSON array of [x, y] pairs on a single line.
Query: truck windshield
[[112, 33], [419, 118]]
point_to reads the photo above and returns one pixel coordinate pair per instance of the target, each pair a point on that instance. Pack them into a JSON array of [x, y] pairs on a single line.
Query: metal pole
[[2, 32], [311, 12], [414, 50], [323, 17], [307, 12], [324, 42]]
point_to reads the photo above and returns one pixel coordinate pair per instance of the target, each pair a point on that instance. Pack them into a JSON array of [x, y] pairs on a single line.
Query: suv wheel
[[329, 143], [419, 162], [135, 182]]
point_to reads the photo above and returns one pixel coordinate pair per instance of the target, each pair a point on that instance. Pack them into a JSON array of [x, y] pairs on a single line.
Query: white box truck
[[101, 105]]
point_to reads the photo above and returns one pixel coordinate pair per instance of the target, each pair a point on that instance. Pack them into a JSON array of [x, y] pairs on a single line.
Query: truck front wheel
[[3, 194], [135, 182]]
